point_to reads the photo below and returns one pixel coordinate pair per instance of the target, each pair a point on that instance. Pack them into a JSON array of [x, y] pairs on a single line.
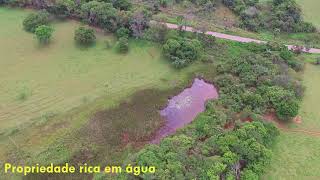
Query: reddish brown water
[[184, 107]]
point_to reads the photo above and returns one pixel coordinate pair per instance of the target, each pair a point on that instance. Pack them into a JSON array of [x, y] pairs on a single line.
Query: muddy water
[[184, 107]]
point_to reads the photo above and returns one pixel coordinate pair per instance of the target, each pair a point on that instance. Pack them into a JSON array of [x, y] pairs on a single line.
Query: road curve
[[236, 38]]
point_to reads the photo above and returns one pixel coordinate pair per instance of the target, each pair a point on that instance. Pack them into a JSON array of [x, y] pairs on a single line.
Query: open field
[[296, 157], [58, 103], [296, 154], [311, 11], [39, 81]]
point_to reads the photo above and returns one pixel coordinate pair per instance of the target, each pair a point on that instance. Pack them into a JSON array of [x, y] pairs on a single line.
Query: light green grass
[[310, 110], [48, 94], [297, 155], [310, 9], [38, 80]]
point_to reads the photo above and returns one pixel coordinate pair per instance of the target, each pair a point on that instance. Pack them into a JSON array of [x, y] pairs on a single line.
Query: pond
[[184, 107]]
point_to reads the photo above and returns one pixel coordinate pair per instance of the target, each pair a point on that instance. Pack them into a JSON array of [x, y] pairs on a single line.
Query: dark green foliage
[[122, 32], [44, 33], [218, 154], [122, 4], [182, 51], [61, 9], [123, 45], [101, 14], [31, 22], [286, 110], [84, 36], [285, 16], [286, 55]]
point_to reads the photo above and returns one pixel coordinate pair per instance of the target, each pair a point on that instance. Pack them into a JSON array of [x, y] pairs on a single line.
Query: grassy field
[[39, 81], [296, 155], [311, 11], [62, 103]]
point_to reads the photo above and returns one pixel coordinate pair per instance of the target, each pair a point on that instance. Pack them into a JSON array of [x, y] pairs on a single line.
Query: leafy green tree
[[182, 51], [32, 21], [44, 33], [286, 110], [84, 36], [101, 14]]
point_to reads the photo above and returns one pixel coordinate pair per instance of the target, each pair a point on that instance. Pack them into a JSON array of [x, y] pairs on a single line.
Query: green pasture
[[310, 9], [36, 81], [49, 95], [296, 154]]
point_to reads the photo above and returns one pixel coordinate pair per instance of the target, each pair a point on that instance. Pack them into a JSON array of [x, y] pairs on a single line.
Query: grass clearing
[[50, 95], [38, 80], [310, 10], [296, 155]]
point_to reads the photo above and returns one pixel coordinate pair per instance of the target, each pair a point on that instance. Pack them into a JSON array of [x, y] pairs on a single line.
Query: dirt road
[[235, 38]]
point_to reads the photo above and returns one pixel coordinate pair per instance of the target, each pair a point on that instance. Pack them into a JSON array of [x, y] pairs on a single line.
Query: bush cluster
[[84, 36], [182, 51], [204, 151], [285, 16], [34, 20]]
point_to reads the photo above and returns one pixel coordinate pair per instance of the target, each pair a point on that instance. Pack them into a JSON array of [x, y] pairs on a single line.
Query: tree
[[44, 33], [286, 110], [101, 14], [122, 32], [123, 45], [84, 36], [62, 8], [182, 51], [32, 21]]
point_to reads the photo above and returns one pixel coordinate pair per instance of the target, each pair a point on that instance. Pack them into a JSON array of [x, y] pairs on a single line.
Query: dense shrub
[[62, 8], [84, 36], [122, 32], [32, 21], [101, 14], [286, 110], [44, 33], [182, 52], [218, 154], [285, 16]]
